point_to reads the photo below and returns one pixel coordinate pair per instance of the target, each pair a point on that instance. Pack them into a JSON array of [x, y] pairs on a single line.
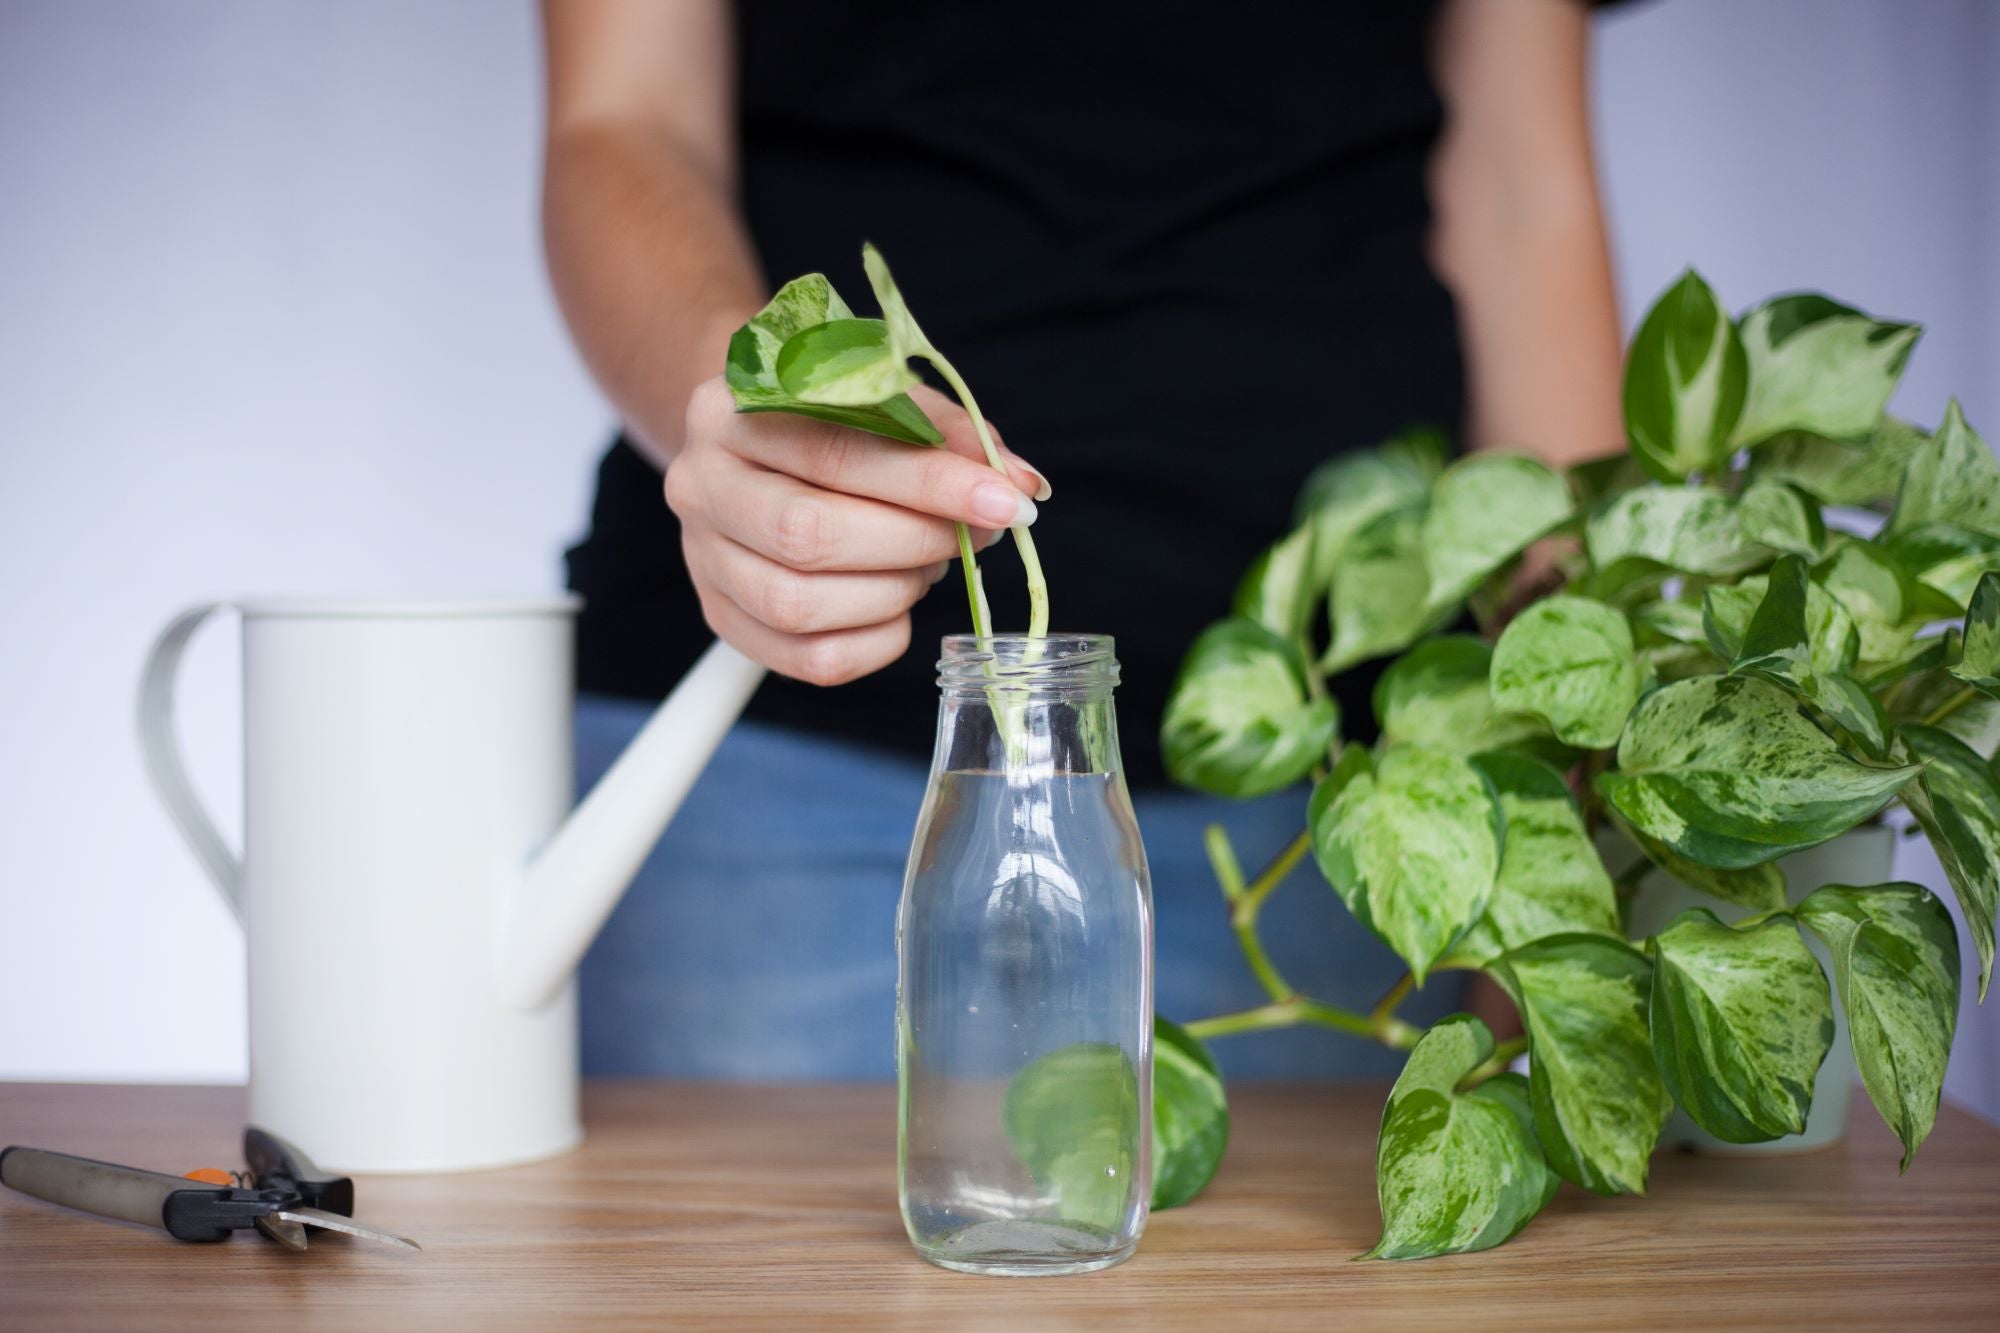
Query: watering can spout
[[576, 880]]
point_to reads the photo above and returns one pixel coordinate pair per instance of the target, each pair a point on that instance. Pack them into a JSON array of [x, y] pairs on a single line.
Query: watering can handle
[[164, 764]]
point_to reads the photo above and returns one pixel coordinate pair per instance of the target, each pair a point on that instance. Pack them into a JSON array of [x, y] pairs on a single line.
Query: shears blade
[[319, 1217]]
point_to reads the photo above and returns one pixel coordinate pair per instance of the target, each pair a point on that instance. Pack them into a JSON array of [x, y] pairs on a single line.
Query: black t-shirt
[[1178, 251]]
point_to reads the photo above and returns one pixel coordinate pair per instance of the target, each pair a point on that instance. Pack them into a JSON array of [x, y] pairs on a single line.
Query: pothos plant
[[1715, 677]]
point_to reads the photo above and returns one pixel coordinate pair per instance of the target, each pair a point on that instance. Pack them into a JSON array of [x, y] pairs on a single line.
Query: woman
[[1182, 261]]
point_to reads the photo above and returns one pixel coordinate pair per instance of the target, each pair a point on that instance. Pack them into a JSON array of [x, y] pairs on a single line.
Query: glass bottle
[[1025, 999]]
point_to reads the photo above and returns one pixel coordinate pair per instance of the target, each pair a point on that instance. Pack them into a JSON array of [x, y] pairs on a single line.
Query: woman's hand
[[808, 543]]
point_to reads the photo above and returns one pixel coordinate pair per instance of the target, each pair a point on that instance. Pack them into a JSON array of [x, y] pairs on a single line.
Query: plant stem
[[1950, 706], [1283, 1014], [975, 594], [1503, 1055], [1038, 588], [1222, 860], [1254, 894], [1385, 1008]]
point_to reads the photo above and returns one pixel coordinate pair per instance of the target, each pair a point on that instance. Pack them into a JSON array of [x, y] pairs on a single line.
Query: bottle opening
[[1015, 662]]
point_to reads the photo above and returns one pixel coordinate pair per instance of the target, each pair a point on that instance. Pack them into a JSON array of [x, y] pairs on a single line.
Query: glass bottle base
[[1024, 1249]]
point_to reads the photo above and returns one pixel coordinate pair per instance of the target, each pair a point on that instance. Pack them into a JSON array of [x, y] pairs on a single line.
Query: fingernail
[[1047, 490], [1000, 505], [939, 570]]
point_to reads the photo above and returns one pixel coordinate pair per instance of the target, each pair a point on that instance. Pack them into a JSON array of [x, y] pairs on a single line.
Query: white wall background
[[272, 319]]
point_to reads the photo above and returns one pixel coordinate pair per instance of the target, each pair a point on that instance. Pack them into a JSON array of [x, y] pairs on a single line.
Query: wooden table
[[776, 1207]]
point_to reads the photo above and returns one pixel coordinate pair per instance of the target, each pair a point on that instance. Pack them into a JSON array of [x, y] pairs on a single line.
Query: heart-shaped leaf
[[1726, 771], [1484, 511], [1278, 591], [1833, 643], [1379, 597], [1239, 721], [1741, 1019], [1819, 366], [1895, 960], [1685, 380], [1775, 515], [1781, 645], [1841, 473], [1946, 559], [1551, 880], [1878, 591], [1346, 494], [1570, 660], [1693, 530], [1953, 478], [1072, 1117], [1598, 1102], [1979, 663], [1411, 844], [752, 369], [1436, 694], [1456, 1171], [1190, 1116], [1957, 802]]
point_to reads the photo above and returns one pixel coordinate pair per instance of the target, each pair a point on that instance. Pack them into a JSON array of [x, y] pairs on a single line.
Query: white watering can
[[414, 898]]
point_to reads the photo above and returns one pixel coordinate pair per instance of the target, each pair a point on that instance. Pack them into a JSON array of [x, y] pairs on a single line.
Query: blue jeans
[[759, 940]]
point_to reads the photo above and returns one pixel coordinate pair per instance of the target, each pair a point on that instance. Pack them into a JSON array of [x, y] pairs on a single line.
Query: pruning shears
[[281, 1194]]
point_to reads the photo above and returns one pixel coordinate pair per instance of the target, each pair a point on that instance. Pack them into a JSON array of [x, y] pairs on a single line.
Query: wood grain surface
[[775, 1207]]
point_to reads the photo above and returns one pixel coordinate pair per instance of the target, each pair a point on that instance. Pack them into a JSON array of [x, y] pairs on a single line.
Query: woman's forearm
[[650, 264]]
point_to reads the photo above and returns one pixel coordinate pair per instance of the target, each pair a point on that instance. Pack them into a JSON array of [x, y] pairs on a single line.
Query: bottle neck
[[1027, 707]]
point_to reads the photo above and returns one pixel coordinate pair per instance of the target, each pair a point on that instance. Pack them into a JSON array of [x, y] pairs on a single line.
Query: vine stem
[[1950, 706], [1024, 541], [975, 591], [1504, 1054]]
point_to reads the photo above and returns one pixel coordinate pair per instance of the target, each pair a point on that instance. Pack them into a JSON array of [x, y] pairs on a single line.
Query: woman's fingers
[[833, 657], [795, 603]]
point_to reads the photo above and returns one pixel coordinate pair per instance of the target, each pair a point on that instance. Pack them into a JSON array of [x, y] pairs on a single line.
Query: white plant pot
[[1861, 856]]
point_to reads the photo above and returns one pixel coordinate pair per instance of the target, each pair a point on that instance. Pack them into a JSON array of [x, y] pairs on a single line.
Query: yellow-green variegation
[[1551, 879], [1837, 472], [1485, 509], [1742, 1019], [1895, 961], [1957, 802], [752, 369], [1456, 1171], [1190, 1116], [1685, 381], [1240, 721], [1818, 366], [1569, 660], [1953, 478], [1379, 596], [1279, 590], [1979, 662], [1437, 694], [1691, 530]]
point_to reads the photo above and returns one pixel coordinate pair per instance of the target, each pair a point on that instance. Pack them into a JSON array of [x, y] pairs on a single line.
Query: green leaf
[[1979, 664], [1759, 887], [1946, 559], [1878, 593], [1412, 847], [843, 363], [1598, 1101], [1190, 1116], [1668, 622], [1840, 473], [1781, 644], [1726, 771], [1239, 721], [1599, 479], [1278, 591], [1346, 494], [904, 336], [1551, 880], [1685, 380], [1775, 515], [1570, 660], [1958, 805], [1817, 365], [1832, 640], [1484, 511], [1935, 697], [752, 370], [1690, 529], [1741, 1019], [1953, 478], [1456, 1172], [1072, 1117], [1379, 599], [1436, 694], [1895, 960], [1775, 643]]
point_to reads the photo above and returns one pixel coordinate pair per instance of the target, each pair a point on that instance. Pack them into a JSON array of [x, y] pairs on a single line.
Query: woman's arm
[[1519, 235], [807, 543]]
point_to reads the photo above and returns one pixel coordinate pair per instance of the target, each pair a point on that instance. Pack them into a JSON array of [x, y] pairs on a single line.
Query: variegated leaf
[[1840, 473], [1946, 559], [1551, 880], [1957, 802], [1895, 960], [843, 363], [1741, 1019], [1693, 530], [1724, 770], [1598, 1101], [1819, 366], [1759, 887], [1437, 694], [1832, 640], [1685, 380], [1775, 515], [1979, 663], [1379, 596], [1456, 1171], [1239, 721], [1411, 844], [1484, 511], [1347, 493], [1190, 1116], [1953, 478], [1278, 591], [1570, 660]]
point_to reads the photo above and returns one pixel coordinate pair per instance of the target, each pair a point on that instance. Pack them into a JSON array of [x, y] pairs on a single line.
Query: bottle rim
[[1016, 662]]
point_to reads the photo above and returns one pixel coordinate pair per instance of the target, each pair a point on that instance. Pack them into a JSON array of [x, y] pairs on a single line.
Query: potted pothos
[[1715, 678]]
